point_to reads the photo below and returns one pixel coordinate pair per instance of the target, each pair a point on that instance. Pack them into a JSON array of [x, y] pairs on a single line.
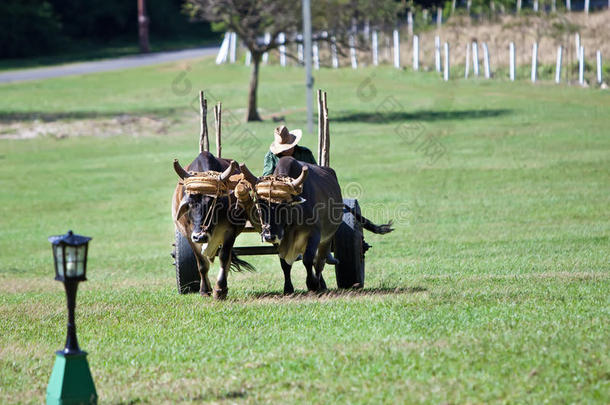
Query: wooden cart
[[348, 247]]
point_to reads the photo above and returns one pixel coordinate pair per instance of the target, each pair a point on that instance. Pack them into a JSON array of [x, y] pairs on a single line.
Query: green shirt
[[300, 153]]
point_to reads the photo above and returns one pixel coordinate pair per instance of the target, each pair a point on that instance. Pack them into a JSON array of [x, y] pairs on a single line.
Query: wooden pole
[[204, 141], [143, 27], [326, 145], [320, 127], [218, 126]]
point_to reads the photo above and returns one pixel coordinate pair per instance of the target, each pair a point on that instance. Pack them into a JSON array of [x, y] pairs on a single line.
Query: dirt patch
[[124, 124]]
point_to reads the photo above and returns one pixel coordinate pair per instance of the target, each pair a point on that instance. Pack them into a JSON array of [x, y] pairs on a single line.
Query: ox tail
[[238, 264], [368, 225]]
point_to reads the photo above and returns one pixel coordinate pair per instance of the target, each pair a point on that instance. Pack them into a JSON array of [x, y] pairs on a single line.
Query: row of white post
[[229, 45]]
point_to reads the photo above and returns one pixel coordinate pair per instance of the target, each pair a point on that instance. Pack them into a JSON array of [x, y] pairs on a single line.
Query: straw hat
[[284, 140]]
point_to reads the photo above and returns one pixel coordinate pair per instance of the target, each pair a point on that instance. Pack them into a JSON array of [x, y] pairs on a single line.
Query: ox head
[[199, 207], [277, 216]]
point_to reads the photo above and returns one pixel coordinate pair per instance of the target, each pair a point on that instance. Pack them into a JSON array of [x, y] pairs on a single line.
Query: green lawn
[[494, 287]]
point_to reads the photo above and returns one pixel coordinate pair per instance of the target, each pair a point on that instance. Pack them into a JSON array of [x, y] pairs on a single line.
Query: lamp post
[[70, 381]]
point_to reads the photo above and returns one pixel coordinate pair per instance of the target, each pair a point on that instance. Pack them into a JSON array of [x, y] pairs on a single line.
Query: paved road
[[104, 65]]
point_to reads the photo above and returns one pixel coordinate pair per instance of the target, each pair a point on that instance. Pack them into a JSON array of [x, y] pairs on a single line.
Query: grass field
[[494, 287]]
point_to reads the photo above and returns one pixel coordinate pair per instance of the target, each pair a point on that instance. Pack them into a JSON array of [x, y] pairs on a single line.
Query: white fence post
[[518, 6], [486, 61], [535, 6], [569, 5], [534, 62], [475, 59], [587, 7], [415, 52], [581, 66], [282, 39], [467, 64], [300, 53], [553, 6], [396, 49], [446, 66], [352, 52], [248, 58], [233, 47], [375, 46], [437, 53], [558, 65], [577, 43], [410, 22], [223, 52], [333, 52], [599, 66], [266, 54], [316, 55], [511, 61]]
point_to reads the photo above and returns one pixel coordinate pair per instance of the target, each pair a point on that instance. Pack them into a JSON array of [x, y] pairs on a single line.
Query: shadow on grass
[[7, 117], [422, 115], [338, 293]]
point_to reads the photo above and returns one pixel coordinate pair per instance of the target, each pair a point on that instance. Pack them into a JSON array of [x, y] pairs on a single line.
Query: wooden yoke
[[323, 130]]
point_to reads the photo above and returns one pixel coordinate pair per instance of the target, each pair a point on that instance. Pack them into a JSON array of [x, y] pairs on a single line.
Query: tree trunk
[[252, 109]]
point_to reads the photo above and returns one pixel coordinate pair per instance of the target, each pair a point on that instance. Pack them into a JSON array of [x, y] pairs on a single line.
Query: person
[[285, 144]]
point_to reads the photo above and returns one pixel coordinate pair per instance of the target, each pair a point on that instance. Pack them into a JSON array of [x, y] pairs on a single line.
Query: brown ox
[[210, 223]]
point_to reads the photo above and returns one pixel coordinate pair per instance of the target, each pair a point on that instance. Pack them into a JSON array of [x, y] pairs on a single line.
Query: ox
[[209, 222], [306, 225]]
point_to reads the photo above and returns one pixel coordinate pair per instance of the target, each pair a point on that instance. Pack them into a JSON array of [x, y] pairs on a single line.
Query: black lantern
[[71, 380], [70, 253]]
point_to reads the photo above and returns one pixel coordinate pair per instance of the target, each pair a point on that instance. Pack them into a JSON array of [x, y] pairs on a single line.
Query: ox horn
[[180, 170], [252, 179], [299, 180], [225, 175]]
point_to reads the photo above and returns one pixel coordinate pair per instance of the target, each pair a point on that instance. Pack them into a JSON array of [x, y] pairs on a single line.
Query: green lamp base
[[71, 381]]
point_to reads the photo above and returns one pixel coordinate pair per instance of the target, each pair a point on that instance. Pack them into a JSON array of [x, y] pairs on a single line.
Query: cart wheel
[[349, 249], [187, 273]]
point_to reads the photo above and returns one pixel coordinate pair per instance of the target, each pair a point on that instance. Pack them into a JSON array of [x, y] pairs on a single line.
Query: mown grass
[[493, 288]]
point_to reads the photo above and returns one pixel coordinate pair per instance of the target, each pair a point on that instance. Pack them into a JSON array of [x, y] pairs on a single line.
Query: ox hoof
[[204, 293], [288, 290], [220, 293], [313, 284]]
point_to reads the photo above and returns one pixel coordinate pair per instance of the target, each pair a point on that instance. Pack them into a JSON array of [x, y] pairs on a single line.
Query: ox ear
[[183, 209], [298, 200]]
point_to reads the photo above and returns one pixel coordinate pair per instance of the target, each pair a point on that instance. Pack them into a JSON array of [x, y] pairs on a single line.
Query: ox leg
[[221, 289], [320, 261], [203, 265], [312, 281], [286, 268]]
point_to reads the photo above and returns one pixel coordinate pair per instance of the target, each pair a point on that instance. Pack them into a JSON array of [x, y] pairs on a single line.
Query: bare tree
[[251, 19]]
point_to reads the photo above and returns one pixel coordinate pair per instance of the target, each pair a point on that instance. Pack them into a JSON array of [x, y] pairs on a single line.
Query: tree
[[251, 19]]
